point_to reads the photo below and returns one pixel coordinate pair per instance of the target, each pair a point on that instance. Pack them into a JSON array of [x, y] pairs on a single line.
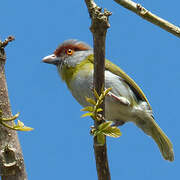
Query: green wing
[[119, 72]]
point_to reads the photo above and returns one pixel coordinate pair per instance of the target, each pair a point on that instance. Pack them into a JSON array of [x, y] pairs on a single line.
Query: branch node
[[8, 156], [141, 9], [99, 8], [99, 19], [3, 45], [107, 13]]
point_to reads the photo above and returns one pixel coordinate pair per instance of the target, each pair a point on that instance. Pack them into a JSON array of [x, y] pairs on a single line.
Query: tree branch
[[99, 28], [147, 15], [11, 158]]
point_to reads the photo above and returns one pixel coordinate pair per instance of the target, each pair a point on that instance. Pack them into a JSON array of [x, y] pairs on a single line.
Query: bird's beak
[[51, 59]]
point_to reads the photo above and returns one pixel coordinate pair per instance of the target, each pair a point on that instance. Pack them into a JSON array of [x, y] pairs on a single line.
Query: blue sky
[[60, 146]]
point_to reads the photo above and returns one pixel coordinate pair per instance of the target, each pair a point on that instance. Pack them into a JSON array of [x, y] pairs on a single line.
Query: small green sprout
[[105, 128], [18, 127], [95, 108]]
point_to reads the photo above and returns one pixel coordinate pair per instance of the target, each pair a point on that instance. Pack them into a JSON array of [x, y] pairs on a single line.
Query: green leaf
[[100, 102], [107, 91], [25, 128], [20, 124], [116, 131], [112, 131], [96, 94], [99, 110], [101, 138], [95, 132], [91, 101], [20, 127], [11, 118], [103, 126], [102, 89], [87, 114], [88, 108]]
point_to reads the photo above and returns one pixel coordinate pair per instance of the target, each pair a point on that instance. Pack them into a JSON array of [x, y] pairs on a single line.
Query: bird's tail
[[151, 128]]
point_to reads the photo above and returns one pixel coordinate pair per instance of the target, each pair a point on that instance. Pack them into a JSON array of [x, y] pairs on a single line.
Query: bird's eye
[[69, 51]]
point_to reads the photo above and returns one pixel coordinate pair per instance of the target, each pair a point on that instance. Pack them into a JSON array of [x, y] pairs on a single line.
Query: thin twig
[[99, 28], [7, 40], [147, 15]]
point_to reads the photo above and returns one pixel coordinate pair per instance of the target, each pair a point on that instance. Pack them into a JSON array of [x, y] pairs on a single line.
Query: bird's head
[[69, 53]]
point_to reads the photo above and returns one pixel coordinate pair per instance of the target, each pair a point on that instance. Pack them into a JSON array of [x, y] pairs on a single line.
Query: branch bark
[[11, 158], [147, 15], [99, 28]]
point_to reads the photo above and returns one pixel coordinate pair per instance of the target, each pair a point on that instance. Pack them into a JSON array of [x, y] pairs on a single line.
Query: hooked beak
[[51, 59]]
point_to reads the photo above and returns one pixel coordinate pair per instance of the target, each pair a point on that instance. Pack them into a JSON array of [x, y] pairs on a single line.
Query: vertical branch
[[99, 28], [11, 158]]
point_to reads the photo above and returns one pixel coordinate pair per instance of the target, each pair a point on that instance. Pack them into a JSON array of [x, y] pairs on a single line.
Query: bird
[[125, 102]]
